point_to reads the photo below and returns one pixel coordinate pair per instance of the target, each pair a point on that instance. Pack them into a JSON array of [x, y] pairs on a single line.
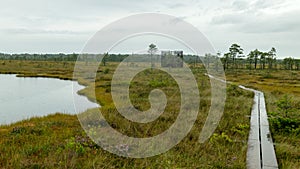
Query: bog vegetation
[[58, 141]]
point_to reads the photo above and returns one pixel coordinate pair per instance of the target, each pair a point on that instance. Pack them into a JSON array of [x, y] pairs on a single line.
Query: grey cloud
[[231, 20], [251, 20], [255, 24], [276, 24], [235, 18], [175, 5], [263, 4], [41, 31], [240, 4]]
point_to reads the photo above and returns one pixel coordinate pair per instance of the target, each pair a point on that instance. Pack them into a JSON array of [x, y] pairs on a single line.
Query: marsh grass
[[58, 141]]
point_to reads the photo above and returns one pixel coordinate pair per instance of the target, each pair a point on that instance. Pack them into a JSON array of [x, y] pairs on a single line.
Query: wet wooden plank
[[267, 147], [253, 152]]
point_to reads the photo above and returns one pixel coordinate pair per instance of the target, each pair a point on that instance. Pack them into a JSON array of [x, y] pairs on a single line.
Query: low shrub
[[285, 125]]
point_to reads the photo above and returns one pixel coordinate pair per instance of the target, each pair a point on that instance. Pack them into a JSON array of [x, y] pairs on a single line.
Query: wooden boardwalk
[[261, 153]]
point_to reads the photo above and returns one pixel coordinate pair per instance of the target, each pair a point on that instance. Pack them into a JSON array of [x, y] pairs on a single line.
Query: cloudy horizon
[[37, 26]]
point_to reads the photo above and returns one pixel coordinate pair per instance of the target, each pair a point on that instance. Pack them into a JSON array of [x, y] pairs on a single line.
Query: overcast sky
[[53, 26]]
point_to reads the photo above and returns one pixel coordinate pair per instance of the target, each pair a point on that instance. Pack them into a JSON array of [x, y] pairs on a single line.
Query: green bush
[[285, 105], [285, 125], [106, 71]]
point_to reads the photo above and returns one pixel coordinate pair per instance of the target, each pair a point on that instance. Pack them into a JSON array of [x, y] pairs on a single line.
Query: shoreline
[[50, 77]]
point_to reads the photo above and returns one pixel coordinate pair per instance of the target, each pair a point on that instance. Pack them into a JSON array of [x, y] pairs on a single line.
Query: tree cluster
[[256, 59]]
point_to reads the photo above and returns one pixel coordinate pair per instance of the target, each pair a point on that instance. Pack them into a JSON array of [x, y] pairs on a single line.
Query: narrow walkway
[[260, 153]]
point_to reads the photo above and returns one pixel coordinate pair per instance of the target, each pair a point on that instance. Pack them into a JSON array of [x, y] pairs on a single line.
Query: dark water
[[22, 98]]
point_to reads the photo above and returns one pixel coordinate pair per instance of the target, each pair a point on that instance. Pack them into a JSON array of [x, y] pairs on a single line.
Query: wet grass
[[58, 141]]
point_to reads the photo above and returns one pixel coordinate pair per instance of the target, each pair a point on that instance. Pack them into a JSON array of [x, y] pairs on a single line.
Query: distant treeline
[[40, 57], [234, 59], [82, 57]]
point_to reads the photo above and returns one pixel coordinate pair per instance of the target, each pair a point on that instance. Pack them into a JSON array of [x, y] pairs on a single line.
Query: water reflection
[[22, 98]]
